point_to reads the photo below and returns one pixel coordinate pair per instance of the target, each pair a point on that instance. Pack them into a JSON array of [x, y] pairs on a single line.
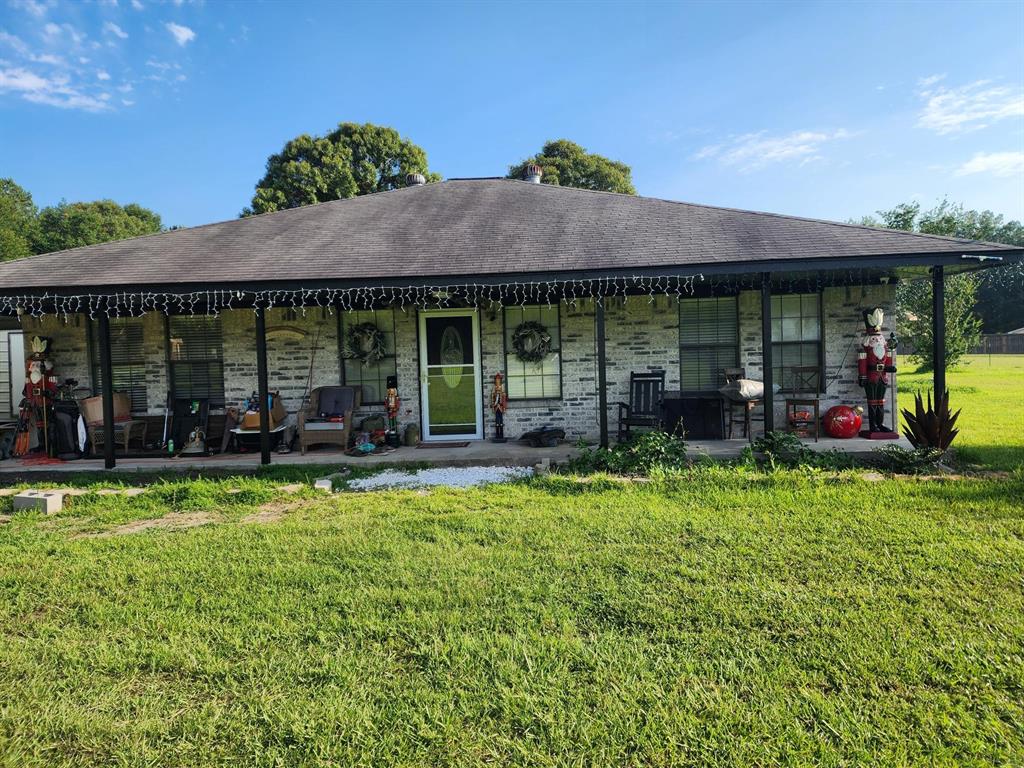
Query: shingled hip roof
[[473, 227]]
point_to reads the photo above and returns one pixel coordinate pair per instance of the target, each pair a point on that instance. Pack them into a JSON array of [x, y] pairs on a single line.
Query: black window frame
[[778, 369], [216, 395], [138, 391], [381, 380], [699, 347], [507, 351]]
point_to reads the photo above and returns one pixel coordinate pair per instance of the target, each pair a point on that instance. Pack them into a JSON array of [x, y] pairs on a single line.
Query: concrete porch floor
[[477, 453]]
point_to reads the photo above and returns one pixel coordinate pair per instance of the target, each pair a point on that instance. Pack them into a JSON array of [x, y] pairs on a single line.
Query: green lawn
[[990, 390], [725, 618]]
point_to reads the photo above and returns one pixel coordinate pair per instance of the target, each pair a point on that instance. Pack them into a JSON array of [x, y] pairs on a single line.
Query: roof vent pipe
[[532, 173], [415, 180]]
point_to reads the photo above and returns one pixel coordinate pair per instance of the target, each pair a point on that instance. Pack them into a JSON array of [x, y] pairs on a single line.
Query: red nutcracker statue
[[499, 404], [874, 364], [391, 404], [37, 403]]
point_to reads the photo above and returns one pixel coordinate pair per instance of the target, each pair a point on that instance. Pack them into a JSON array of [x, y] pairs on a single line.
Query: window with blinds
[[128, 358], [796, 340], [533, 380], [709, 341], [196, 357], [372, 377]]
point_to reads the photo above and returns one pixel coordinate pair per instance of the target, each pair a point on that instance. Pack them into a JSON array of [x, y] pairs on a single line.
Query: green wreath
[[366, 343], [531, 341]]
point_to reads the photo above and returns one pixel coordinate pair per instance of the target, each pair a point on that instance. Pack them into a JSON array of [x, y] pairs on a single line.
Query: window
[[128, 359], [708, 341], [796, 340], [372, 377], [197, 357], [533, 380]]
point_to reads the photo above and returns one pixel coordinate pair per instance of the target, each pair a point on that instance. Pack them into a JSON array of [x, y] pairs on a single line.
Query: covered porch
[[610, 327]]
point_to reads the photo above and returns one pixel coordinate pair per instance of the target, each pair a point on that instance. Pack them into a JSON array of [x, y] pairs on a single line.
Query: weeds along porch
[[567, 293]]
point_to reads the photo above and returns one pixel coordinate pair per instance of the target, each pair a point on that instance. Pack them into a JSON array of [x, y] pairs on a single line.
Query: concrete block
[[324, 484], [47, 502]]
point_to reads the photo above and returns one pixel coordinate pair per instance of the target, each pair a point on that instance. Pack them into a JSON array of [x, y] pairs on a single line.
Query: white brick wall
[[641, 335]]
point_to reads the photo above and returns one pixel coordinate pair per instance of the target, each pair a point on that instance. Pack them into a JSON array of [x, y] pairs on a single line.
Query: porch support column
[[602, 382], [766, 352], [263, 389], [107, 374], [938, 330]]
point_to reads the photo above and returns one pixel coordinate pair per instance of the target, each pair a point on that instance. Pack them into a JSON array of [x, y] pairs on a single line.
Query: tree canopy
[[70, 225], [567, 164], [17, 221], [351, 160], [999, 291], [24, 230]]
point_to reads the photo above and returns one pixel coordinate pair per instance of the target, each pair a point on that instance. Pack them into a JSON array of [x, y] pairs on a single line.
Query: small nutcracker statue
[[874, 364], [37, 402], [499, 404], [391, 405]]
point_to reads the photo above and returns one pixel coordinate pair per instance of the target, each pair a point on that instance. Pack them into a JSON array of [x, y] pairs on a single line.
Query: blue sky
[[817, 109]]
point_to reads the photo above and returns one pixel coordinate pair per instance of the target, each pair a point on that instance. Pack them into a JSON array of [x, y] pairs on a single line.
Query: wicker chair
[[326, 402]]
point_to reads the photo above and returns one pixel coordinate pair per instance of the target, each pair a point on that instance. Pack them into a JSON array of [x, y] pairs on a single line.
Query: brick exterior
[[641, 335]]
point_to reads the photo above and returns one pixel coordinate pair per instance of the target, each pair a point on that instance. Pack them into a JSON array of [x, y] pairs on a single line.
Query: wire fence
[[991, 344]]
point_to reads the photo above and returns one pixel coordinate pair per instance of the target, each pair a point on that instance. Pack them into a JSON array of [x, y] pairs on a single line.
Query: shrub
[[642, 455], [893, 458], [787, 450]]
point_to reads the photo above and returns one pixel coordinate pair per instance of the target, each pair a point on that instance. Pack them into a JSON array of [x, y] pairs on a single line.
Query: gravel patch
[[455, 477]]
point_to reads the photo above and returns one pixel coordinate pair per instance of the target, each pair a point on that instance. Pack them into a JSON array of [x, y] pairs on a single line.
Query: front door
[[452, 398]]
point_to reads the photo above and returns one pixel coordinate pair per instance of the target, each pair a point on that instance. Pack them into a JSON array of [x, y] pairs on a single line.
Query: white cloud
[[137, 5], [182, 35], [752, 151], [52, 30], [14, 42], [115, 30], [31, 6], [102, 74], [967, 108], [54, 91], [1003, 164], [126, 88], [927, 82]]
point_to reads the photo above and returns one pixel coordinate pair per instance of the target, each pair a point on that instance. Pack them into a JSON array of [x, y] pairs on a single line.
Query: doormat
[[444, 444]]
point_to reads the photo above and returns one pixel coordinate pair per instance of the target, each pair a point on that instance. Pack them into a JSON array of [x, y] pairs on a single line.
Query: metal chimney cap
[[533, 172], [415, 179]]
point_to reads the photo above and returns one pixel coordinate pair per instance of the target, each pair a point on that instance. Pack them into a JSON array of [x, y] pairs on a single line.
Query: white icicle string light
[[512, 293]]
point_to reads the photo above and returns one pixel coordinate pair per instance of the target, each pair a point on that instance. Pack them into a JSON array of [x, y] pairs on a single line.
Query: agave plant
[[931, 427]]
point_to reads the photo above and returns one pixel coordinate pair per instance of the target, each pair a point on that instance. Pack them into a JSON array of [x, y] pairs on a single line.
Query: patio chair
[[738, 411], [318, 420], [806, 394], [645, 403], [125, 427]]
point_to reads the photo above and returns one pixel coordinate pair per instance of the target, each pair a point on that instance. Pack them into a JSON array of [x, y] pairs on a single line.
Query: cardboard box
[[251, 419]]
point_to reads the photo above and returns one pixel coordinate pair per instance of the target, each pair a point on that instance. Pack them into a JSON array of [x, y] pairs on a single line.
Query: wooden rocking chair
[[644, 408]]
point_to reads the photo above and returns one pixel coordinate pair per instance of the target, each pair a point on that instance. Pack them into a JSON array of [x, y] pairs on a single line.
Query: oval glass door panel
[[451, 375]]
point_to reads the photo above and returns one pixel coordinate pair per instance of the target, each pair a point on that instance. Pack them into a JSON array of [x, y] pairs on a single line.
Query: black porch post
[[261, 385], [766, 352], [602, 382], [938, 330], [107, 374]]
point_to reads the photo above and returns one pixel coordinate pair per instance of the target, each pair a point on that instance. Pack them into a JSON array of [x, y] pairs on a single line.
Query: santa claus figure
[[874, 364]]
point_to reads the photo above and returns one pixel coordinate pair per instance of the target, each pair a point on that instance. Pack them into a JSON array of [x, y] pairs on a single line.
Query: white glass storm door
[[450, 391]]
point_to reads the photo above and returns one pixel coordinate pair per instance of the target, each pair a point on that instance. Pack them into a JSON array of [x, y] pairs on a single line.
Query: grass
[[720, 618], [990, 390]]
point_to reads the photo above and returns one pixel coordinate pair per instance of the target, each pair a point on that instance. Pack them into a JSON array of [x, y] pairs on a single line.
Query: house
[[447, 272]]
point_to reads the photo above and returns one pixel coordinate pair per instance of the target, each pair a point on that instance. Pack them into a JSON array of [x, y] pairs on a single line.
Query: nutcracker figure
[[874, 364], [499, 404], [391, 406], [37, 401]]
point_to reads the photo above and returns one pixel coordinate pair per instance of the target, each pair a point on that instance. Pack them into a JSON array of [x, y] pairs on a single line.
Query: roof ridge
[[792, 217]]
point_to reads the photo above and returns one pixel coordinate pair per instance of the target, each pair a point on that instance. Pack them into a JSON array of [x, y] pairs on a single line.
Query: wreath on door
[[366, 343], [531, 341]]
